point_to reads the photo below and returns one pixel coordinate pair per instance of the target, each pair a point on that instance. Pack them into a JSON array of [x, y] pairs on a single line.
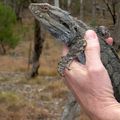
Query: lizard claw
[[68, 68]]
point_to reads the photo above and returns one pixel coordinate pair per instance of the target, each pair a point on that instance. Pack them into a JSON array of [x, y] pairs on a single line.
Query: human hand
[[91, 84]]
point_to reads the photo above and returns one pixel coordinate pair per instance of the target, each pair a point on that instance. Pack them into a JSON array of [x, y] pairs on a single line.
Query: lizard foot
[[74, 51], [64, 63]]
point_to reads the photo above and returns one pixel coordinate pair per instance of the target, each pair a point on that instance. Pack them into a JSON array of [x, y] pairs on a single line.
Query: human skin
[[91, 84]]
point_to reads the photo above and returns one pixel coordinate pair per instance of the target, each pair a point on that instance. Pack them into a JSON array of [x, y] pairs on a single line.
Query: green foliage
[[7, 20]]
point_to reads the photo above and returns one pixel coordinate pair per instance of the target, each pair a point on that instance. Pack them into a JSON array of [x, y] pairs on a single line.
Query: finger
[[65, 50], [109, 41], [75, 68], [92, 51]]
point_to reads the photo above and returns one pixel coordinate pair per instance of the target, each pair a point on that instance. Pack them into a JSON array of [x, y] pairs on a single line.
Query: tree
[[94, 10], [69, 4], [38, 45], [5, 2], [56, 3], [116, 33], [18, 6], [7, 20], [39, 36], [81, 9], [111, 5]]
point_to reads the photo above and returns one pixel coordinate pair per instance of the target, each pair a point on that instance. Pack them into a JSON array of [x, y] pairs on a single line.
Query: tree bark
[[5, 2], [81, 9], [56, 3], [68, 4], [94, 10], [17, 7], [112, 9], [38, 45], [116, 33], [2, 50]]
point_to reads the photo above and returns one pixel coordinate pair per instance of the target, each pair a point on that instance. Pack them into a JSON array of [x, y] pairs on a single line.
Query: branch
[[107, 4]]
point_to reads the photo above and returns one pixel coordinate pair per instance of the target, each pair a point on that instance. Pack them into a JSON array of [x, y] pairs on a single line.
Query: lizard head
[[57, 21]]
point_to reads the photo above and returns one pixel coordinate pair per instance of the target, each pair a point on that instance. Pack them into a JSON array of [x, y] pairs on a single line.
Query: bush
[[7, 20]]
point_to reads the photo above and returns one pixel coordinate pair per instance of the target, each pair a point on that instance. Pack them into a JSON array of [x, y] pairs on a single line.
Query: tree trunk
[[17, 7], [94, 10], [56, 3], [38, 45], [81, 9], [116, 33], [6, 2], [112, 9], [2, 50], [68, 4]]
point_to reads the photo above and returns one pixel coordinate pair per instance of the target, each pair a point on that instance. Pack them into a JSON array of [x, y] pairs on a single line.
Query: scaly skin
[[69, 30]]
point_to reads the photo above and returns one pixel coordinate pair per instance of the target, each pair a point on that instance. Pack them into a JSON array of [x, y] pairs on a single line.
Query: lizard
[[70, 31]]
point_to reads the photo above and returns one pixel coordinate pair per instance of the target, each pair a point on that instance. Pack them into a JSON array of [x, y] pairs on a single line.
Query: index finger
[[92, 51]]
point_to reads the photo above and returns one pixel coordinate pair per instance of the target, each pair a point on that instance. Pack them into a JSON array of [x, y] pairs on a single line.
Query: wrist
[[110, 111]]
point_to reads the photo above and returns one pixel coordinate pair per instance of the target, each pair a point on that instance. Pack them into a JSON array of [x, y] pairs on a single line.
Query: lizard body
[[69, 30]]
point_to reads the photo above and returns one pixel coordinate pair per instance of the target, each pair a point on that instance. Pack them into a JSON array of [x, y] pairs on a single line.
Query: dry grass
[[12, 64], [47, 71], [10, 98], [57, 88], [45, 97], [38, 80], [24, 113], [14, 107]]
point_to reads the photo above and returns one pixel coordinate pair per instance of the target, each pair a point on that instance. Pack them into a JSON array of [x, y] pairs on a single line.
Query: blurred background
[[30, 87]]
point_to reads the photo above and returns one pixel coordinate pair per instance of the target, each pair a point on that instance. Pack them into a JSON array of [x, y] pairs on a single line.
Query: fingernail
[[90, 34]]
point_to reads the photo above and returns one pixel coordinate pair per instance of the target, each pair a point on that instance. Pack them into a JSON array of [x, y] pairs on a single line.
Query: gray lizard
[[70, 31]]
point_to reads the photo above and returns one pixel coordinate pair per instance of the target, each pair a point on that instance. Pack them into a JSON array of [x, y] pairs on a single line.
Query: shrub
[[7, 20]]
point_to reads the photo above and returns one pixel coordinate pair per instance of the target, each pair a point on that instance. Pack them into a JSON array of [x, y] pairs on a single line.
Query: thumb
[[92, 51]]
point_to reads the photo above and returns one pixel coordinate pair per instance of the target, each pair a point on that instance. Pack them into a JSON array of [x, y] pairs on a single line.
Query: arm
[[91, 83]]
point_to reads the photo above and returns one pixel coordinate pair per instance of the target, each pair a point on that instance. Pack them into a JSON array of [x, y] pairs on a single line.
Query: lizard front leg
[[64, 63], [74, 51]]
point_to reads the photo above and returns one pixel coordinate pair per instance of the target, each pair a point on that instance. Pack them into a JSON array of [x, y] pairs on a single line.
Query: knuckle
[[96, 69]]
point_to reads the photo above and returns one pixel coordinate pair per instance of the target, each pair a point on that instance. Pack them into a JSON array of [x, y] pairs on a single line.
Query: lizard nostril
[[45, 8]]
